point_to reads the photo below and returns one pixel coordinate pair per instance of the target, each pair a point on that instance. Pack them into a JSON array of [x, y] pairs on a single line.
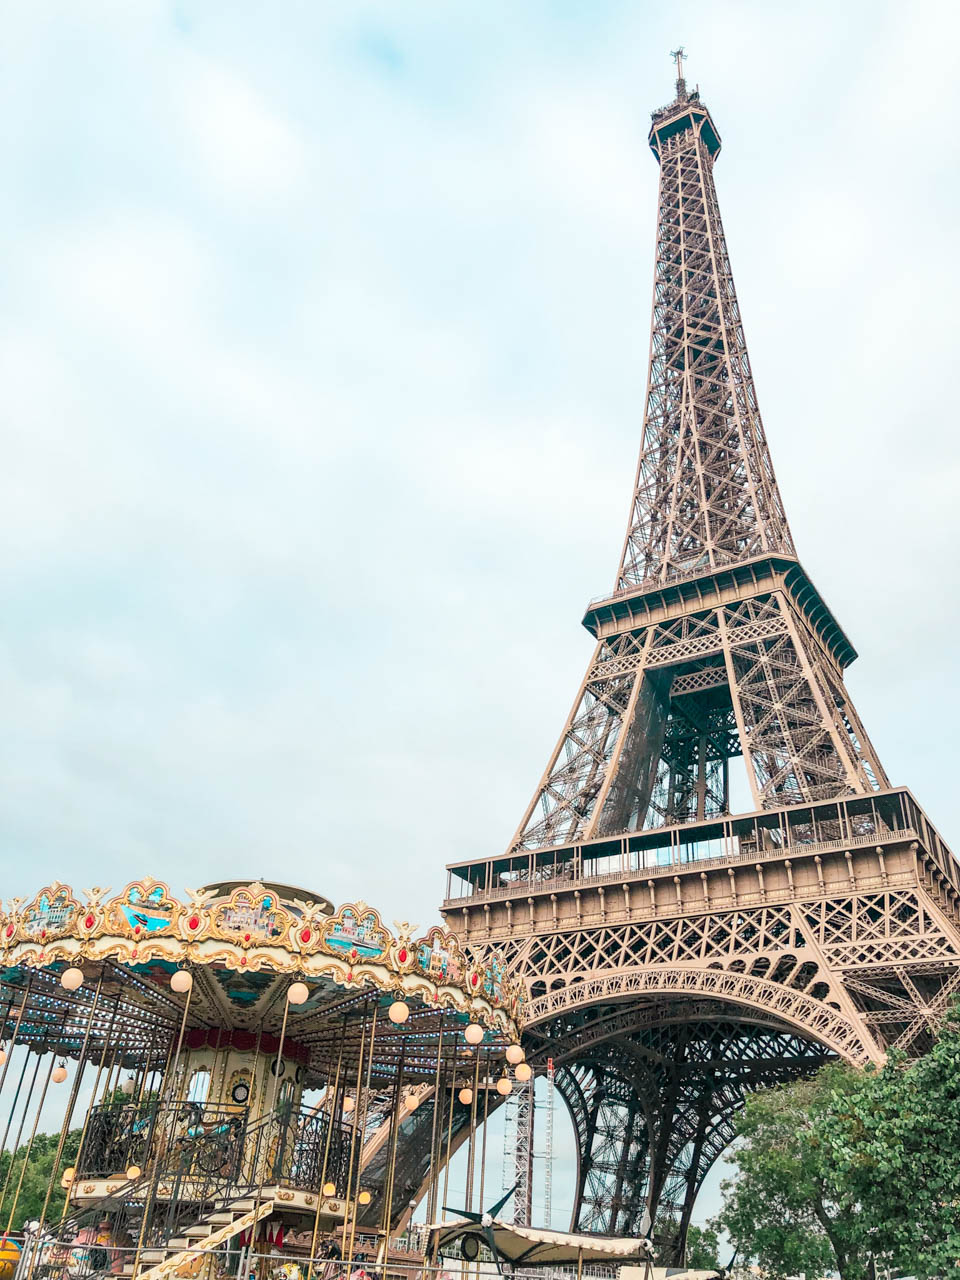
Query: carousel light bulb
[[523, 1072], [298, 993], [3, 1054], [59, 1073], [69, 1174], [363, 1197], [412, 1102], [474, 1033], [465, 1096], [181, 981], [504, 1086], [399, 1012], [348, 1105], [71, 979], [329, 1189], [514, 1054], [127, 1086], [133, 1172]]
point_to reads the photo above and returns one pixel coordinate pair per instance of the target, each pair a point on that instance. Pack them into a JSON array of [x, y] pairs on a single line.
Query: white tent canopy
[[534, 1247]]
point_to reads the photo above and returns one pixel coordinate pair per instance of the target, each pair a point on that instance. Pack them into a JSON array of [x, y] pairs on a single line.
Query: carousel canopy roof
[[243, 945]]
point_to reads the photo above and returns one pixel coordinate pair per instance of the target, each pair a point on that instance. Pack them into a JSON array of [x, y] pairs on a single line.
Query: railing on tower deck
[[655, 582], [847, 823]]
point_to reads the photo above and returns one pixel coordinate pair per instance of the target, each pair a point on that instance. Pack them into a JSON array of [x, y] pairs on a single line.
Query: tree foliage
[[893, 1143], [33, 1191], [785, 1209], [702, 1247]]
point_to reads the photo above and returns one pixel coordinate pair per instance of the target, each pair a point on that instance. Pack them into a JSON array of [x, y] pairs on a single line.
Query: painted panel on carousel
[[250, 916], [438, 956], [51, 914], [145, 907], [492, 977], [355, 932]]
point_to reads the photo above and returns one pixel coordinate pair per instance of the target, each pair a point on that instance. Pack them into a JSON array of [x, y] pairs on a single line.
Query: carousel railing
[[290, 1147], [191, 1162], [124, 1134]]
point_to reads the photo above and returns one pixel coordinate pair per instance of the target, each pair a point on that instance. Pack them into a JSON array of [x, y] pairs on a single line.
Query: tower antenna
[[679, 56]]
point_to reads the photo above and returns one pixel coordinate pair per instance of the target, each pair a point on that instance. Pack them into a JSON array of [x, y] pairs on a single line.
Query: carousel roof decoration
[[243, 945]]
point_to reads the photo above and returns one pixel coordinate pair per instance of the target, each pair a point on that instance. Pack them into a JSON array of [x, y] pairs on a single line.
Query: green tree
[[894, 1144], [29, 1204], [786, 1209], [702, 1247]]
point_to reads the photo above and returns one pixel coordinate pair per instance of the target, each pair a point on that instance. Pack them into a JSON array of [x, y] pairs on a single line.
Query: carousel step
[[222, 1216], [201, 1229]]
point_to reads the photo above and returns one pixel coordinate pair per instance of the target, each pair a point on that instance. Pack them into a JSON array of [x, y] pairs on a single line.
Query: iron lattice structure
[[677, 956]]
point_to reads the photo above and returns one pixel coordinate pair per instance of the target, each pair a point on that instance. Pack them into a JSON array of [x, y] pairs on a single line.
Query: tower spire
[[679, 56]]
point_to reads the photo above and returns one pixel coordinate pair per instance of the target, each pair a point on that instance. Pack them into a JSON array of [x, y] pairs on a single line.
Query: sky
[[323, 336]]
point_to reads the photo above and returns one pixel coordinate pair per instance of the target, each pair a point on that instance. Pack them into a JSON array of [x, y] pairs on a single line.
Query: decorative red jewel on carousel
[[136, 929], [350, 977], [9, 930], [402, 955], [89, 922], [474, 980], [246, 937], [43, 933], [193, 923], [305, 935], [133, 953], [243, 959], [353, 954]]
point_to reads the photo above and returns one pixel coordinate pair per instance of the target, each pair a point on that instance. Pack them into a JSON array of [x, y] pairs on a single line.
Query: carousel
[[234, 1079]]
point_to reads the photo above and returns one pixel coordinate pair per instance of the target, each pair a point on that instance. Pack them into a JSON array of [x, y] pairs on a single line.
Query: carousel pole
[[446, 1163], [468, 1195], [361, 1124], [353, 1130], [172, 1073], [68, 1114], [23, 1120], [483, 1140], [33, 1131], [391, 1165], [258, 1199], [90, 1106], [155, 1171], [326, 1153], [435, 1127], [142, 1082], [13, 1041]]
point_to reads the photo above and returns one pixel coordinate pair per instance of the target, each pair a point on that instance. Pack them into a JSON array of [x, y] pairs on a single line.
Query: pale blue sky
[[322, 345]]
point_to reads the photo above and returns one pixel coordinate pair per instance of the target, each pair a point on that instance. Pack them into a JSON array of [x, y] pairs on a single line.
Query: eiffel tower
[[678, 955]]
